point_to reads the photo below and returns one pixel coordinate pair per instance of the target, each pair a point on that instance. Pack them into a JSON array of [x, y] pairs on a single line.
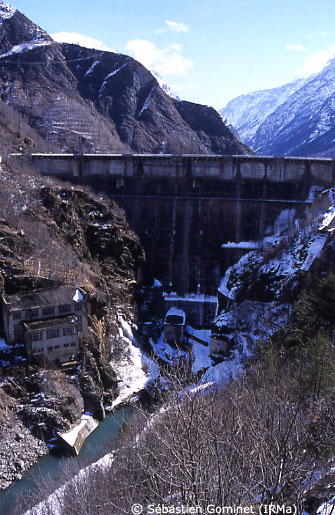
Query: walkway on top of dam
[[191, 175]]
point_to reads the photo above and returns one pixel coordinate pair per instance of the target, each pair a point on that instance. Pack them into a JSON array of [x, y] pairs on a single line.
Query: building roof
[[48, 323], [44, 298]]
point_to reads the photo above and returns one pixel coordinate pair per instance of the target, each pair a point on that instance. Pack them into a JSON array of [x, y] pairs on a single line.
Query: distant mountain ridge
[[247, 112], [295, 119], [84, 100]]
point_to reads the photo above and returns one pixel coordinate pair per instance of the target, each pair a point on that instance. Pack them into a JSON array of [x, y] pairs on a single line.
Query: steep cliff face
[[210, 129], [257, 292], [85, 100], [145, 117], [52, 234]]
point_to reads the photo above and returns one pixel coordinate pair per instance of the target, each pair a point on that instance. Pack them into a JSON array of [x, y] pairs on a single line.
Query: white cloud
[[80, 39], [177, 26], [165, 61], [297, 48], [316, 61]]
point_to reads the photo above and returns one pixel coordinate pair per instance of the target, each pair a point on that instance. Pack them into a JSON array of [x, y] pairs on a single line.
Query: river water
[[99, 443]]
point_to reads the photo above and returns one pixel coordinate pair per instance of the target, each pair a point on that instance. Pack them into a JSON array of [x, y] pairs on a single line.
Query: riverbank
[[19, 451], [50, 472]]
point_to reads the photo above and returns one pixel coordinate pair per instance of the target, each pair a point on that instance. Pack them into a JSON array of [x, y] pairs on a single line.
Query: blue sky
[[208, 51]]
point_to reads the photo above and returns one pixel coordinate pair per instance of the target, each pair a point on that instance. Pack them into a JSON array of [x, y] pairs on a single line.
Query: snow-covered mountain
[[247, 112], [296, 119]]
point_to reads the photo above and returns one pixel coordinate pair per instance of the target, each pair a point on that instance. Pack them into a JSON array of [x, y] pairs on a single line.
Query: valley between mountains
[[231, 373]]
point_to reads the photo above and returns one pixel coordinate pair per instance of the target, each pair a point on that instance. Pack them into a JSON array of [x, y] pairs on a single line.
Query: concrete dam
[[186, 209], [211, 176]]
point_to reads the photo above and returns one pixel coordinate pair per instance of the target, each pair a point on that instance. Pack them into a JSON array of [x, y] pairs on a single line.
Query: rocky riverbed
[[19, 451]]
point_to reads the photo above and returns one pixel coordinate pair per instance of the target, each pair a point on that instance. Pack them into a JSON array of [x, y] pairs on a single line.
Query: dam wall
[[191, 175], [189, 211]]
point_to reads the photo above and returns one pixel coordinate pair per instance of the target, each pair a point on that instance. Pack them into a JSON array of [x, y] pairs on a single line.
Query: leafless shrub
[[252, 441]]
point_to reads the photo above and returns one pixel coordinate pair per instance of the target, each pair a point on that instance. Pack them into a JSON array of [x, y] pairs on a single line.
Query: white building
[[33, 317]]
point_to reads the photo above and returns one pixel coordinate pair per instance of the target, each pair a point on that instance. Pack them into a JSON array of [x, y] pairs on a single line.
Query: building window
[[79, 322], [57, 347], [32, 313], [52, 333], [68, 331], [50, 349], [64, 308], [47, 312], [36, 336], [17, 315], [78, 306], [73, 344], [66, 345]]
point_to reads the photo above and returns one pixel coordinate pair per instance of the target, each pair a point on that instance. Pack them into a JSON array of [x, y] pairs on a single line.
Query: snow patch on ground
[[91, 68], [26, 47], [328, 218], [111, 74], [166, 352], [201, 357], [202, 361], [147, 101], [314, 250], [135, 370], [252, 321], [3, 344], [280, 257], [6, 11], [226, 288], [55, 500], [241, 245], [327, 508]]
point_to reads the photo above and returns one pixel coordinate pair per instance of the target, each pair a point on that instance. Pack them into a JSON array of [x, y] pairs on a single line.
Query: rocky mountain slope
[[257, 293], [79, 99], [52, 234], [247, 112], [299, 123]]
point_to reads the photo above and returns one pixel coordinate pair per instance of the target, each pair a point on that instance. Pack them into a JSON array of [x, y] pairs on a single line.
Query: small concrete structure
[[218, 345], [174, 326], [74, 439], [200, 309]]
